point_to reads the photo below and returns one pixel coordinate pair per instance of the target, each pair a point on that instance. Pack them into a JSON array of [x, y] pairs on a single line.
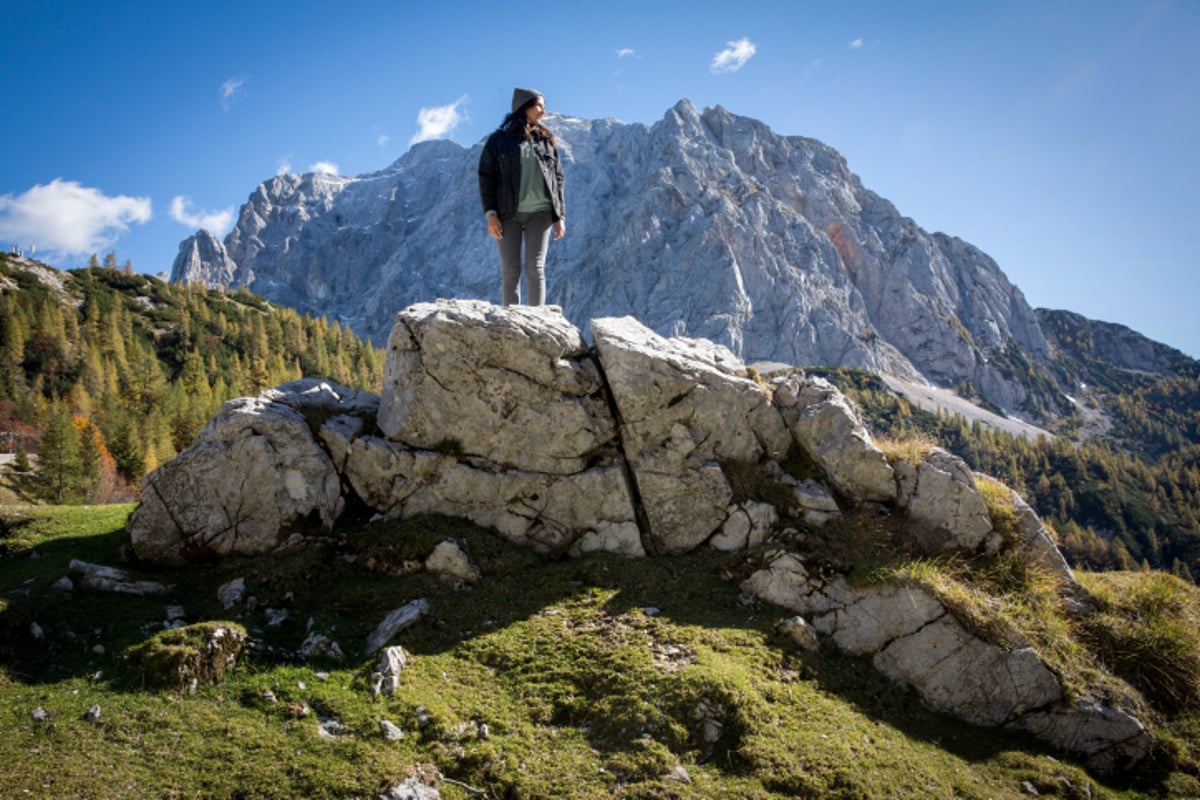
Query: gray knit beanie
[[523, 96]]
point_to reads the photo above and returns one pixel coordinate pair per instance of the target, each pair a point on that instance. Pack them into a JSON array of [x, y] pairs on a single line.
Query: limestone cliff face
[[705, 224], [202, 259]]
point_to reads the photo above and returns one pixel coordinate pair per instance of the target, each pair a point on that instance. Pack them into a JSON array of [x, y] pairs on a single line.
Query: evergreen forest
[[106, 374]]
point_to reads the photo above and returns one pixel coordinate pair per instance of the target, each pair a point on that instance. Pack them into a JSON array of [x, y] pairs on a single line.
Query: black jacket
[[500, 175]]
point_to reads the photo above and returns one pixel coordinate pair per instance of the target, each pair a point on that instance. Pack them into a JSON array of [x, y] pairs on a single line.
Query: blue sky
[[1058, 136]]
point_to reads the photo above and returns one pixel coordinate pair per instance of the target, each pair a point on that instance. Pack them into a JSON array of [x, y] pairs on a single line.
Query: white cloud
[[383, 140], [733, 57], [229, 90], [326, 167], [65, 218], [217, 223], [439, 121], [284, 165], [856, 44], [626, 52]]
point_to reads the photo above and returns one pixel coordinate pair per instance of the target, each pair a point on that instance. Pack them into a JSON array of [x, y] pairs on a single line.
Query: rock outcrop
[[637, 445], [915, 639]]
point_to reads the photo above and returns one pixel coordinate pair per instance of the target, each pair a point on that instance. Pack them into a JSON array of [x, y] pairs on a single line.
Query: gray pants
[[535, 230]]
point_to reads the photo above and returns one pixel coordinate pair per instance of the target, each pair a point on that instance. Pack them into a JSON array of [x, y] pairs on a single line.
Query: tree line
[[111, 374]]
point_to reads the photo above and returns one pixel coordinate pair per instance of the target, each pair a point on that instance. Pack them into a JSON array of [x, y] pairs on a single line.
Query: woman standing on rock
[[521, 187]]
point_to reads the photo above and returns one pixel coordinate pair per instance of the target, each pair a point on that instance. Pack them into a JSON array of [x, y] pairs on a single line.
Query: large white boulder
[[513, 385], [687, 409], [829, 430], [254, 476], [942, 499]]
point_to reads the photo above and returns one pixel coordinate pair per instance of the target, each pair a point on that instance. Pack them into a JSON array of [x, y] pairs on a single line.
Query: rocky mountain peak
[[705, 224], [202, 259]]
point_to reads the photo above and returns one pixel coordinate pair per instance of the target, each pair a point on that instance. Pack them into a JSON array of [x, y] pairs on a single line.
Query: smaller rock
[[748, 525], [298, 710], [93, 714], [819, 519], [679, 774], [826, 425], [391, 731], [317, 645], [182, 658], [110, 579], [412, 789], [385, 679], [945, 504], [41, 715], [36, 631], [801, 632], [396, 621], [332, 729], [620, 538], [1029, 788], [708, 714], [63, 584], [275, 616], [230, 594], [809, 495], [448, 561], [175, 613], [424, 718]]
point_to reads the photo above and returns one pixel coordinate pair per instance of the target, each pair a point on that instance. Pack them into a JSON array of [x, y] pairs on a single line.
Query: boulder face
[[638, 445], [830, 431], [706, 224], [254, 476], [687, 410], [515, 387]]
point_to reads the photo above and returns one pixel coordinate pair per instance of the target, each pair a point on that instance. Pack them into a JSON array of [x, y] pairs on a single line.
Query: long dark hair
[[517, 125]]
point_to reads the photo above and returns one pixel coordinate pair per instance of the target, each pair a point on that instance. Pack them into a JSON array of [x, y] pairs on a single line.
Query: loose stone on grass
[[395, 622], [186, 657]]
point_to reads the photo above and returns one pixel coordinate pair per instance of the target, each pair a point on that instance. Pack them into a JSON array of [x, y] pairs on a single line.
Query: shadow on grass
[[343, 588]]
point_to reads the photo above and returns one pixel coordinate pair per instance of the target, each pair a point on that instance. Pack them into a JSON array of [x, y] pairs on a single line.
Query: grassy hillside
[[593, 677]]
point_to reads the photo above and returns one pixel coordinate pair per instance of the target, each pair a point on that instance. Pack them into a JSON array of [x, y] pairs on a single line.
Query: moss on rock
[[186, 657]]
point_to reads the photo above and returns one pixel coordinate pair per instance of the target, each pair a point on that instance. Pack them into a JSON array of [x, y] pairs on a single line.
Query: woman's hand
[[560, 228], [495, 227]]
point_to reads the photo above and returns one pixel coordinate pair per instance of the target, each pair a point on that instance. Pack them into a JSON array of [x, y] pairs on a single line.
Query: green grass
[[594, 677]]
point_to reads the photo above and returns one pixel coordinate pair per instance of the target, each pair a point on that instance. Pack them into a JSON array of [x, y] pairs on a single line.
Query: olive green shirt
[[534, 196]]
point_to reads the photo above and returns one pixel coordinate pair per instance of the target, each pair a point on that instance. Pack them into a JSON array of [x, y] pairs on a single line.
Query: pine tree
[[58, 456], [21, 462], [87, 478]]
